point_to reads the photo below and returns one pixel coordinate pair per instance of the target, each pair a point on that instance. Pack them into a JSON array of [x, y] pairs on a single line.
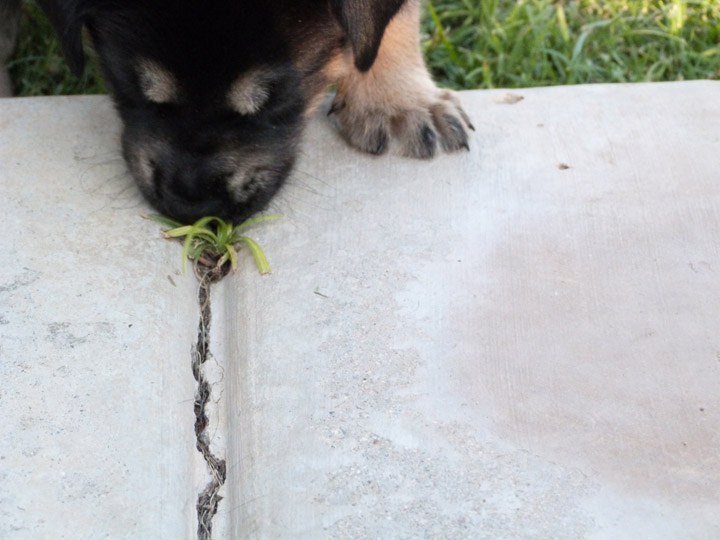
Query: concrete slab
[[97, 436], [518, 342]]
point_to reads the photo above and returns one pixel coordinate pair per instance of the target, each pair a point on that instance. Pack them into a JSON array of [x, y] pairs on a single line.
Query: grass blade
[[452, 52], [164, 220], [187, 245], [232, 254], [257, 252], [253, 221], [179, 231]]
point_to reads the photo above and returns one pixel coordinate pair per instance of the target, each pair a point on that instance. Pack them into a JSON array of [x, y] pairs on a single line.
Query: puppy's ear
[[364, 22], [68, 17]]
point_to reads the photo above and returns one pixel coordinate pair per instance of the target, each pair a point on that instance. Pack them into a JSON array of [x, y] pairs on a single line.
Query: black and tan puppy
[[213, 95]]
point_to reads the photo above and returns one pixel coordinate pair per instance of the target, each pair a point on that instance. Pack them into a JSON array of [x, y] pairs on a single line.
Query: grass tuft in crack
[[212, 244]]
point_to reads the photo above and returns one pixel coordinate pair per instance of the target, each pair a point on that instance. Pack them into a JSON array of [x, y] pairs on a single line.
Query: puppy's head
[[224, 152], [211, 94]]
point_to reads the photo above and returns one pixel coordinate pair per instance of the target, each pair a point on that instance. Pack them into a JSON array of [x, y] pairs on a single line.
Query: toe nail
[[429, 139], [380, 143]]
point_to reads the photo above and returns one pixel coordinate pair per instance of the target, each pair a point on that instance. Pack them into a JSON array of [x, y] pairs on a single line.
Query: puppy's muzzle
[[186, 186], [189, 187]]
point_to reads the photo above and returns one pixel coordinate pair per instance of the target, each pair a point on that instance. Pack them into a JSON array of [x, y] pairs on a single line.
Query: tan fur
[[255, 176], [157, 84], [140, 157], [396, 102], [250, 91], [252, 172], [315, 87]]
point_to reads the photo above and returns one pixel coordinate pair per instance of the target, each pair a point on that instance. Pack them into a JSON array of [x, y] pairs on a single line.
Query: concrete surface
[[518, 342], [97, 435]]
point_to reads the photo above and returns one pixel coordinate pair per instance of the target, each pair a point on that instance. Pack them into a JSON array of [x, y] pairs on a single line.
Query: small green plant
[[210, 243]]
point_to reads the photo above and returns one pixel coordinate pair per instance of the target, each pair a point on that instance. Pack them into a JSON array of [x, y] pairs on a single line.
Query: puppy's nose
[[188, 183], [191, 190]]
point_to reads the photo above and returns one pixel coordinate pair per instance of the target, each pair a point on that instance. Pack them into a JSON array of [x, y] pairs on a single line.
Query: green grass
[[495, 43], [38, 68], [212, 244]]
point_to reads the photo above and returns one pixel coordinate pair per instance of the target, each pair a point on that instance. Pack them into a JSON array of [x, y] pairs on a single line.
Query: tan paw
[[413, 130]]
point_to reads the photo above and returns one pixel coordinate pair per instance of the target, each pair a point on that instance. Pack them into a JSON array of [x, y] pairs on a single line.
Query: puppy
[[213, 96]]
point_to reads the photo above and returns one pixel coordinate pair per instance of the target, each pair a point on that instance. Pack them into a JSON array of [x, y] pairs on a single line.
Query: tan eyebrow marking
[[250, 91], [156, 83]]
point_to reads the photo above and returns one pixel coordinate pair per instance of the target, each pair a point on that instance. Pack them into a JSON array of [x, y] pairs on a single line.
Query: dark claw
[[456, 137], [380, 143], [466, 119], [429, 140]]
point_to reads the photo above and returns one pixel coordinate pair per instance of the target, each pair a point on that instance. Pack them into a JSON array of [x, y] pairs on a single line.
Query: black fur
[[185, 152], [364, 22]]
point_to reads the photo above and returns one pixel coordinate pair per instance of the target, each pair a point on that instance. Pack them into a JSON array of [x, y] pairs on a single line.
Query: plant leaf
[[179, 231], [207, 236], [224, 233], [222, 260], [164, 220], [253, 221], [195, 251], [187, 245], [203, 222], [257, 252], [230, 251]]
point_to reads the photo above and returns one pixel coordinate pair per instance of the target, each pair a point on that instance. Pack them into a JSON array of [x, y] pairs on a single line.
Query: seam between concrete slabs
[[208, 499]]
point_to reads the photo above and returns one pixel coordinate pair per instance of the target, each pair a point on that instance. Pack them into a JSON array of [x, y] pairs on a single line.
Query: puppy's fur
[[214, 95]]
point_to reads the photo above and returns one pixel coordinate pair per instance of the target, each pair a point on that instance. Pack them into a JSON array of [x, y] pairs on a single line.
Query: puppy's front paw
[[415, 128]]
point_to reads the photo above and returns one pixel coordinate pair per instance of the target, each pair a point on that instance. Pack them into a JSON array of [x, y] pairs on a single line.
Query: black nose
[[190, 189]]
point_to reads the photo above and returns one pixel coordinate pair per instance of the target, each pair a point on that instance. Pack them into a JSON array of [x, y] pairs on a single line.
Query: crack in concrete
[[208, 499]]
